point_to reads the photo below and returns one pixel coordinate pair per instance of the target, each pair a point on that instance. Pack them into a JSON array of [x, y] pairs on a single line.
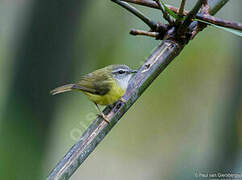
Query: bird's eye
[[121, 72]]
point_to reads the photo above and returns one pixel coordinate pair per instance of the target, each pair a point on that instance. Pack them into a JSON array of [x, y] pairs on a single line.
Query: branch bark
[[154, 65], [220, 22], [189, 18], [217, 5], [208, 18], [182, 7]]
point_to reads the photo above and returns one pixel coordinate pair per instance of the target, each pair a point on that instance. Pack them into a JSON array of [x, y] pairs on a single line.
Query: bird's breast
[[113, 95]]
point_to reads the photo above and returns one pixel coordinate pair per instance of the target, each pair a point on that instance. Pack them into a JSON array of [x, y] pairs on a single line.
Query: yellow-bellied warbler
[[104, 86]]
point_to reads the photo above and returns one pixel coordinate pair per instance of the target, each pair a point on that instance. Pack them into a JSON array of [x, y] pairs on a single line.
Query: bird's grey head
[[122, 74]]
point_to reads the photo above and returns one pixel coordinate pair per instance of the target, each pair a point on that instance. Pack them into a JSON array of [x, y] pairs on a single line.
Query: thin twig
[[165, 14], [154, 65], [181, 12], [204, 17], [182, 7], [147, 3], [220, 22], [144, 33], [137, 13], [153, 4], [216, 6], [189, 18]]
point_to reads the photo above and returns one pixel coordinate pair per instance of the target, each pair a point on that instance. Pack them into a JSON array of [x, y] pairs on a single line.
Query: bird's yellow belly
[[111, 97]]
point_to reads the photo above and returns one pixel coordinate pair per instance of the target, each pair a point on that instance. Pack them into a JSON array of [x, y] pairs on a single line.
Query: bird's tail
[[62, 89]]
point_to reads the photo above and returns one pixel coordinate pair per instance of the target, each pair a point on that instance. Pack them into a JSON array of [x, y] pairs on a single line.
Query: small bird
[[104, 86]]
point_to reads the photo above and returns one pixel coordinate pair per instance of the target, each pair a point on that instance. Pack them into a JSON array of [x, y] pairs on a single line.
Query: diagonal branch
[[137, 13], [154, 65]]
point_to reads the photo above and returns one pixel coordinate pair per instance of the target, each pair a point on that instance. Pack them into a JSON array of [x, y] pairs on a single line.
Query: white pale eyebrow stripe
[[117, 70]]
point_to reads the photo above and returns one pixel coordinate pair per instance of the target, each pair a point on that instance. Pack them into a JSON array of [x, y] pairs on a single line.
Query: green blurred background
[[188, 121]]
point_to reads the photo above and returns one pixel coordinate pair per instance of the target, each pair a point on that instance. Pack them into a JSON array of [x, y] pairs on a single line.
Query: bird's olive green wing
[[97, 82]]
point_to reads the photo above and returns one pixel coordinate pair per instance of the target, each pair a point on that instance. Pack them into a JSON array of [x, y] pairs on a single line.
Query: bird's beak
[[134, 71]]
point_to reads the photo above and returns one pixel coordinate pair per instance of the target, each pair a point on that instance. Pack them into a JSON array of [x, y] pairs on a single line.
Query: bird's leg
[[101, 114]]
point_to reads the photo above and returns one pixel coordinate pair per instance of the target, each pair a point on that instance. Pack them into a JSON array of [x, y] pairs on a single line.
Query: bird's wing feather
[[97, 82]]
